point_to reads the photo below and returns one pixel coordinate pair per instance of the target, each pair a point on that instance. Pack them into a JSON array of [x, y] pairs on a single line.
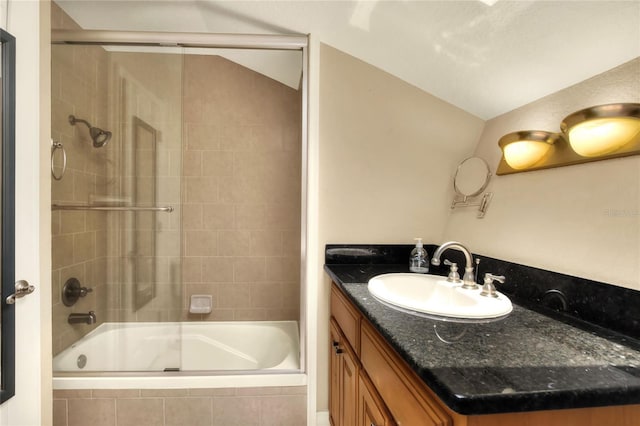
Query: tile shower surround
[[241, 192]]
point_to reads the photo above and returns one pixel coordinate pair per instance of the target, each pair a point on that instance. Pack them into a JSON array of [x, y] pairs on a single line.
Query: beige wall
[[242, 189], [581, 220], [387, 154]]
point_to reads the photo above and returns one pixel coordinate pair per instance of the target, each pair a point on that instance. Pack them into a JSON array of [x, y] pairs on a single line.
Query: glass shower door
[[146, 265], [117, 208]]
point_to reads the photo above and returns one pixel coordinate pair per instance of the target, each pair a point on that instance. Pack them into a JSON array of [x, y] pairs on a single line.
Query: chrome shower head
[[98, 136]]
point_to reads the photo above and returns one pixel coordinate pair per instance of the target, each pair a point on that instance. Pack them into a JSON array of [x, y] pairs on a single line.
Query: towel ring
[[55, 146]]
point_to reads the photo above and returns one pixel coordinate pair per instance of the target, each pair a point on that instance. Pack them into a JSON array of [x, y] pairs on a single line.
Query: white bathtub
[[176, 355]]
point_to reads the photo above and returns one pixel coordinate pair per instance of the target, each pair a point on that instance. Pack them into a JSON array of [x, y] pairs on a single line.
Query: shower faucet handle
[[72, 291], [84, 291]]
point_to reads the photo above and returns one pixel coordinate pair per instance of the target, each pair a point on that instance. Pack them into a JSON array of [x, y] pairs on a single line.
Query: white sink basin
[[434, 295]]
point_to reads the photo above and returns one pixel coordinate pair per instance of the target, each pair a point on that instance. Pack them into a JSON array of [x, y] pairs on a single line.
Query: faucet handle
[[488, 289], [490, 276], [454, 276]]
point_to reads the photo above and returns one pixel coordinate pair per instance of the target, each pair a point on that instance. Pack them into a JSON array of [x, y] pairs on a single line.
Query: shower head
[[98, 136]]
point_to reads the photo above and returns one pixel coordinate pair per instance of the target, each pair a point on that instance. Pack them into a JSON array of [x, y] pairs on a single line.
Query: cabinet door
[[334, 376], [401, 390], [349, 387], [344, 370], [371, 408]]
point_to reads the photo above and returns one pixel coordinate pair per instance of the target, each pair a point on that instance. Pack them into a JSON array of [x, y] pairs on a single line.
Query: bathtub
[[182, 355]]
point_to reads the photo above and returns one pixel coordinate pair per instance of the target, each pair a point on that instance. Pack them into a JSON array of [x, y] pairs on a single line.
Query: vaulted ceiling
[[486, 59]]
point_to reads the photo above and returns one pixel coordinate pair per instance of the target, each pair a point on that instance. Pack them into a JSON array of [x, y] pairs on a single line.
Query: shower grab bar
[[167, 209]]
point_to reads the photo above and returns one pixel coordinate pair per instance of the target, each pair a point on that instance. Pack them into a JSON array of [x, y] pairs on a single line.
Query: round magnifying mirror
[[472, 177]]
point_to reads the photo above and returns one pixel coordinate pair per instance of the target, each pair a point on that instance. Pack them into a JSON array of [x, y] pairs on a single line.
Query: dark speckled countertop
[[525, 362]]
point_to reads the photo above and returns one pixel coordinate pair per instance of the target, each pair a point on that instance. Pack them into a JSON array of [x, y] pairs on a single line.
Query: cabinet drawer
[[402, 392], [347, 317]]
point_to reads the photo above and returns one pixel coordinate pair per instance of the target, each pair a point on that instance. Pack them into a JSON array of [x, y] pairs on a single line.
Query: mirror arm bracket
[[482, 205]]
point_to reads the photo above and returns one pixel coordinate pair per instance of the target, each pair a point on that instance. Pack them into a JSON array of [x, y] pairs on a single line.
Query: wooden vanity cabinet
[[372, 386], [354, 393]]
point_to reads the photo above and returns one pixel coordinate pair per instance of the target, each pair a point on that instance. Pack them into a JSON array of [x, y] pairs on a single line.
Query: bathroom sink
[[433, 295]]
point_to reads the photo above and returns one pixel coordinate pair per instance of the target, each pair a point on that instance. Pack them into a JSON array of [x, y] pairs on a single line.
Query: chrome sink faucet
[[79, 318], [468, 280]]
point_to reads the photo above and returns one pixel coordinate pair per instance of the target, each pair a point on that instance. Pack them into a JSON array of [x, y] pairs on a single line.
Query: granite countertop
[[525, 362]]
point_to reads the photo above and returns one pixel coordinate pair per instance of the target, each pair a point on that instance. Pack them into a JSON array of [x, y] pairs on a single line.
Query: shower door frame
[[297, 42]]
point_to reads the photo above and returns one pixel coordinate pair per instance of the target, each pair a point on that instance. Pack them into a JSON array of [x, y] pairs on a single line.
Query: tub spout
[[80, 318]]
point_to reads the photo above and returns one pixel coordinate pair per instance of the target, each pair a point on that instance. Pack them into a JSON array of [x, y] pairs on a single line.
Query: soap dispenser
[[418, 261]]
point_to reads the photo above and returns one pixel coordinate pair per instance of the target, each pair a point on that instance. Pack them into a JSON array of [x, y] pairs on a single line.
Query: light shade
[[525, 149], [602, 129]]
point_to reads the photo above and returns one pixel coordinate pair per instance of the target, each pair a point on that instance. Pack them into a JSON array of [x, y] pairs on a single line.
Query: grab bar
[[167, 209]]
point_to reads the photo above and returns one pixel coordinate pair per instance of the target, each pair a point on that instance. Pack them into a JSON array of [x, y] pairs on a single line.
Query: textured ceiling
[[484, 59]]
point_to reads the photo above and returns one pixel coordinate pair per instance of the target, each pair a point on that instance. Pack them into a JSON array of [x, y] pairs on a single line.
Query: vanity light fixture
[[602, 129], [525, 149], [596, 133]]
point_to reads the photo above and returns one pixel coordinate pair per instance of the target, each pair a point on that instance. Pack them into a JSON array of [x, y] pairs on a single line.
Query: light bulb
[[602, 136], [524, 154]]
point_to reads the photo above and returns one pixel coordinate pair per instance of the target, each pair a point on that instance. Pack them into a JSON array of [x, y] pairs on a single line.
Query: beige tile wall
[[273, 406], [242, 180], [79, 78]]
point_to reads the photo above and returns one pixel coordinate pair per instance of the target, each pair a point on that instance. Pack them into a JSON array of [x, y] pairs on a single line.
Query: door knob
[[22, 289]]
